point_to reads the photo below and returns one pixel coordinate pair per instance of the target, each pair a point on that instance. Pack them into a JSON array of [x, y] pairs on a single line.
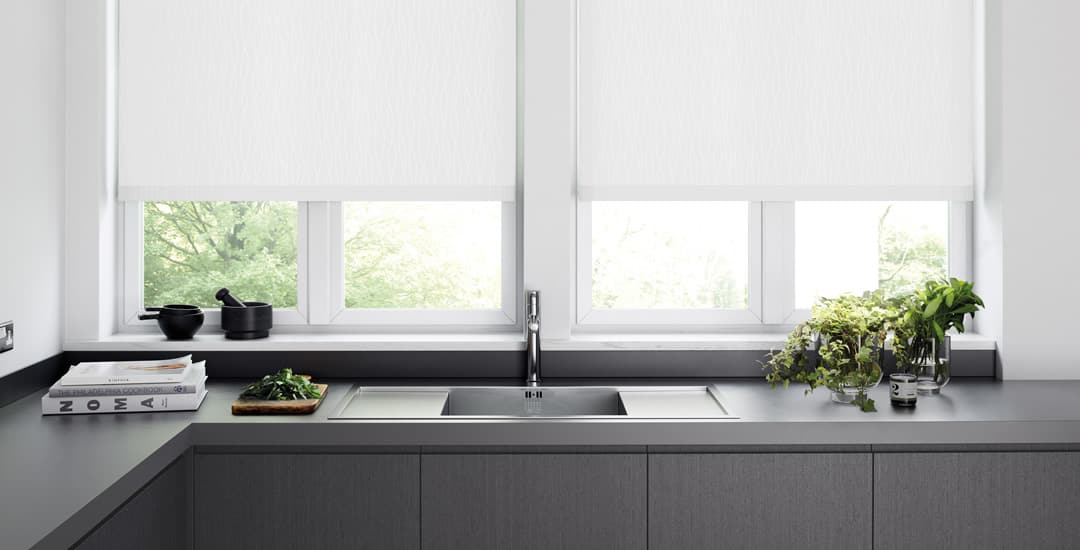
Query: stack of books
[[128, 386]]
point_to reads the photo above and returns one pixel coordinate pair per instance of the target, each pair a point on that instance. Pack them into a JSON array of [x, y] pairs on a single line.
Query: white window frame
[[416, 319], [590, 319], [132, 261], [320, 279], [771, 278], [958, 255]]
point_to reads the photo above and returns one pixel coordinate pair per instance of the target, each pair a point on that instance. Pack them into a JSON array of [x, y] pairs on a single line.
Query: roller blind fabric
[[312, 101], [776, 99]]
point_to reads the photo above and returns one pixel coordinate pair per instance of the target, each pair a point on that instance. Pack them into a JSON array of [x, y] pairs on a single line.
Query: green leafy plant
[[850, 331], [281, 386], [924, 317]]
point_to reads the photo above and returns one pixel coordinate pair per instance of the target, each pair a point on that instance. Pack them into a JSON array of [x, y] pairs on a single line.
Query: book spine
[[120, 390], [121, 404]]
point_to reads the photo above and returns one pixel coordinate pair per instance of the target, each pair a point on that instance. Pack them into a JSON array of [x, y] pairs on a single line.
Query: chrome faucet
[[532, 338]]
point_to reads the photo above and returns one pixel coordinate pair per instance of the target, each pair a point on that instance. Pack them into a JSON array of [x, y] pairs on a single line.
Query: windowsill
[[711, 342], [281, 340], [285, 341]]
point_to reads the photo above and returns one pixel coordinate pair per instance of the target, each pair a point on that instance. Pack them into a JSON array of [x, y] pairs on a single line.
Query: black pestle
[[228, 299]]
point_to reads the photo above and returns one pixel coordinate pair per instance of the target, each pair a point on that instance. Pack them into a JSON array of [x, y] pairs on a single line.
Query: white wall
[[1034, 180], [31, 177]]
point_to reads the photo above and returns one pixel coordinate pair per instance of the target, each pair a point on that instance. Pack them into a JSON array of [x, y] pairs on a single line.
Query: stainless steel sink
[[534, 401], [547, 402]]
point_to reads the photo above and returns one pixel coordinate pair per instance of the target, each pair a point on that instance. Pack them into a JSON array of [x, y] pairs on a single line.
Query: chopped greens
[[281, 386]]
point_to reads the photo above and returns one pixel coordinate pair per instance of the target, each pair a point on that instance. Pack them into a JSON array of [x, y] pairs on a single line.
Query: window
[[392, 126], [408, 265], [672, 255], [191, 249], [439, 255], [719, 175]]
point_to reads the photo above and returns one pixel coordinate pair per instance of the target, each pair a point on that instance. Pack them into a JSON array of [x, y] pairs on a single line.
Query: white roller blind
[[317, 100], [776, 99]]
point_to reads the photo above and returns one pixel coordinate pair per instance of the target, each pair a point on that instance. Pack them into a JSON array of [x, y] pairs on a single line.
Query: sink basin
[[547, 402], [539, 401]]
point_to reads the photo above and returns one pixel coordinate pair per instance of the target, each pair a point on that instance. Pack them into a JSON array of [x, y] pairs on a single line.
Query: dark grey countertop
[[61, 475]]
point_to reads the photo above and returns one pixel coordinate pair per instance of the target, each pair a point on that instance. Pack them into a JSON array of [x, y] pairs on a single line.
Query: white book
[[191, 383], [127, 372], [122, 404]]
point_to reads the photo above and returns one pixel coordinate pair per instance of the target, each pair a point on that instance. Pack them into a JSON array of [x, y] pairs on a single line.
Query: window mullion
[[132, 262], [778, 262], [548, 114], [960, 240], [320, 252]]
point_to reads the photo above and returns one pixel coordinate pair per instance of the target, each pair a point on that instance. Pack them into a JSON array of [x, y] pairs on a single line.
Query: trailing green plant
[[849, 332], [924, 317], [281, 386]]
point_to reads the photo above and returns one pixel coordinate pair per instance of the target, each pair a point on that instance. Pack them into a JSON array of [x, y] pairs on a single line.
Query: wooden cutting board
[[296, 406]]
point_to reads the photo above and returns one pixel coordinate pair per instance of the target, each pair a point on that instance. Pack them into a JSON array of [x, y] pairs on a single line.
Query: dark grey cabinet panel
[[767, 501], [977, 500], [290, 501], [158, 516], [537, 501]]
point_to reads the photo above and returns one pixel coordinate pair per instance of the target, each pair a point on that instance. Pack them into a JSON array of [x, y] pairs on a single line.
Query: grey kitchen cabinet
[[290, 501], [534, 501], [981, 500], [767, 501], [158, 516]]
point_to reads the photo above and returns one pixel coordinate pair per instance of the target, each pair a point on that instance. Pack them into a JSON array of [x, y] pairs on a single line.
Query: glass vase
[[933, 368], [860, 380]]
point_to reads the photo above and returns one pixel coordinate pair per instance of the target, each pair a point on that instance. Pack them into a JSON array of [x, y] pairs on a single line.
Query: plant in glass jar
[[921, 342], [848, 332]]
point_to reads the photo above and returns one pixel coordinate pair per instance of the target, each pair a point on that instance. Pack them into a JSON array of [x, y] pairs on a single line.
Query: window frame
[[132, 260], [320, 281], [958, 252], [771, 304], [589, 319], [419, 319]]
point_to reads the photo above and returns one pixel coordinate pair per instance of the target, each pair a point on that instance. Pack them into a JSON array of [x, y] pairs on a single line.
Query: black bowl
[[177, 326], [247, 323]]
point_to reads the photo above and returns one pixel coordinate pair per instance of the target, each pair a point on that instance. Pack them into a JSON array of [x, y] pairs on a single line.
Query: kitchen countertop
[[62, 475]]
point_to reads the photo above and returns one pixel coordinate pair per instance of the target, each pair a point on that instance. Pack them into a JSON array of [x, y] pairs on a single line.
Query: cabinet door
[[534, 501], [290, 501], [768, 501], [977, 500], [158, 516]]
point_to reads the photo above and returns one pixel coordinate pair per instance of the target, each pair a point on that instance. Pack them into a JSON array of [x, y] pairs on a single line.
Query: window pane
[[191, 249], [434, 255], [859, 246], [670, 255]]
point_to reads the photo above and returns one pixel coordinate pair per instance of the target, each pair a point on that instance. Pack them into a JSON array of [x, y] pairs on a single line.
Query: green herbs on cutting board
[[281, 386]]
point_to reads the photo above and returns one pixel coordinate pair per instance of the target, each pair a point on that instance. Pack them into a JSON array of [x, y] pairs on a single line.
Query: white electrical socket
[[7, 336]]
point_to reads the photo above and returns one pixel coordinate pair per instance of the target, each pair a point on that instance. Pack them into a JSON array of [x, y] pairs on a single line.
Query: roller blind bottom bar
[[317, 193], [958, 193]]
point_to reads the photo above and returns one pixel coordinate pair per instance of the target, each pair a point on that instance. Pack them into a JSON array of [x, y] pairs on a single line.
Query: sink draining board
[[672, 404]]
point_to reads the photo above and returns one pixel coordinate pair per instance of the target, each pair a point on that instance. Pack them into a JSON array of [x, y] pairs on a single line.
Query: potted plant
[[921, 342], [848, 332]]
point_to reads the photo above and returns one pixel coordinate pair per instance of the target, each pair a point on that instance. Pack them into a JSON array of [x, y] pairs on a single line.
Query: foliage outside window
[[853, 247], [191, 249], [423, 255], [677, 255]]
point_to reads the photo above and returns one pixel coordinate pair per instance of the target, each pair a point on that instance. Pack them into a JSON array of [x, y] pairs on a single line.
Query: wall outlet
[[7, 336]]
